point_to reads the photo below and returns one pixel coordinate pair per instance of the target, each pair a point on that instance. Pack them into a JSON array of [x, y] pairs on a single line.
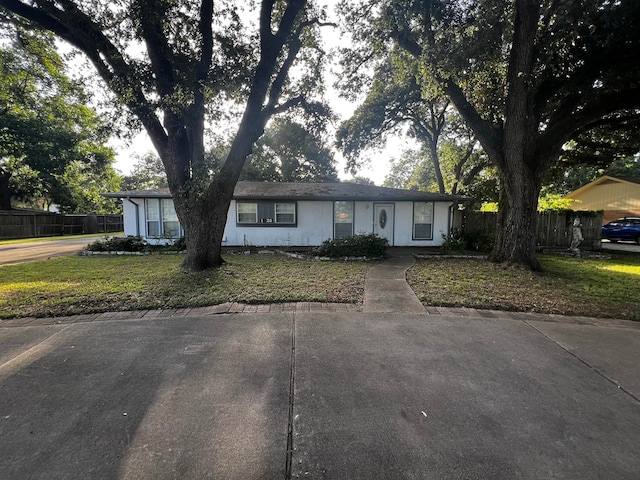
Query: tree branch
[[562, 128]]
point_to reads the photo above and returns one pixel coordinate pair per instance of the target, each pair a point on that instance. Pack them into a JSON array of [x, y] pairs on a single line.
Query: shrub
[[131, 243], [368, 245], [118, 244], [454, 242], [179, 244], [458, 240]]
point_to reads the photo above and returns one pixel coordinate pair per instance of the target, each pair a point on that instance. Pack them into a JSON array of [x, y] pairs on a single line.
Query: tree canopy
[[289, 152], [47, 133], [527, 76], [147, 173]]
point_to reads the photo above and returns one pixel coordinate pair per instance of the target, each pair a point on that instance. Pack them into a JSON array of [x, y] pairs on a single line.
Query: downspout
[[137, 215]]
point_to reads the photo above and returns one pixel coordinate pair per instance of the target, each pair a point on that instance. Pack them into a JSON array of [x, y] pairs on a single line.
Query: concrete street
[[338, 395], [29, 251]]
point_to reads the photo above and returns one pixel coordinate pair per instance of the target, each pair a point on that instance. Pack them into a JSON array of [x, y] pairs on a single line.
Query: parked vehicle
[[627, 228]]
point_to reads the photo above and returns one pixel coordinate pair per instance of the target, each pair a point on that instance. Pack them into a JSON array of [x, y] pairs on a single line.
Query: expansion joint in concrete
[[292, 378], [584, 362]]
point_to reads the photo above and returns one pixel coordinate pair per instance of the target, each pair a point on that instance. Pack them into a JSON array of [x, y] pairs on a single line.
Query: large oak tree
[[176, 65], [528, 76]]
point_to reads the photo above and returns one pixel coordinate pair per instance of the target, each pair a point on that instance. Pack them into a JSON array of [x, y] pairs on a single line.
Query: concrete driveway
[[29, 251], [620, 246], [319, 395]]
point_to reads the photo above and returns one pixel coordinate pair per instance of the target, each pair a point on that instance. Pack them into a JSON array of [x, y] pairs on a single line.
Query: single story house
[[303, 214], [617, 196]]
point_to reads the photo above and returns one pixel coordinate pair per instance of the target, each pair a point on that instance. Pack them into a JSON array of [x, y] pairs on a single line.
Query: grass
[[73, 284], [568, 286]]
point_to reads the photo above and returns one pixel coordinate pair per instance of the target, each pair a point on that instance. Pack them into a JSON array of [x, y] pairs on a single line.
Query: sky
[[376, 170]]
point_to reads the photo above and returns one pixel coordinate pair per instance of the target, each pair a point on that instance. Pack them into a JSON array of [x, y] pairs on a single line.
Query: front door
[[383, 220]]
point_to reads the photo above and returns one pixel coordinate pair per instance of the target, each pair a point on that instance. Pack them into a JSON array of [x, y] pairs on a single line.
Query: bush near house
[[368, 245], [458, 240], [132, 243]]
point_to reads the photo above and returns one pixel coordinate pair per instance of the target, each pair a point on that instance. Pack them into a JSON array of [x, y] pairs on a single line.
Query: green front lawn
[[74, 284], [568, 286]]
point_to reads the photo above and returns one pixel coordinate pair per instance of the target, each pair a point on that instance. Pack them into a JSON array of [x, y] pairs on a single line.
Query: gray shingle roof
[[309, 191]]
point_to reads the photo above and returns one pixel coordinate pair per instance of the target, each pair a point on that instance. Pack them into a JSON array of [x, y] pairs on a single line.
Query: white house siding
[[314, 224], [404, 224], [130, 217]]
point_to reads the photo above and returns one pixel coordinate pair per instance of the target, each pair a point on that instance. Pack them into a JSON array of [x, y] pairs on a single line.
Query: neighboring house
[[304, 214], [617, 196]]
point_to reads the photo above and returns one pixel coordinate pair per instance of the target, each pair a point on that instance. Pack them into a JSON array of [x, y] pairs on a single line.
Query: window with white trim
[[162, 219], [423, 220], [153, 217], [343, 219]]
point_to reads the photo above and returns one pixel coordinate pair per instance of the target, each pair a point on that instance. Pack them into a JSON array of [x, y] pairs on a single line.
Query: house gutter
[[137, 215], [450, 219]]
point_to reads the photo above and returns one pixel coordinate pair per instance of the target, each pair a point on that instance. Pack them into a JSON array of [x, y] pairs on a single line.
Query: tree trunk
[[521, 172], [5, 193], [435, 158], [203, 209], [517, 217], [204, 228]]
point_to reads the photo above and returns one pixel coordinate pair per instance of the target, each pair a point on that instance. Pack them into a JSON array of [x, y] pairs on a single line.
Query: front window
[[170, 223], [423, 221], [266, 213], [247, 213], [162, 220], [153, 217], [343, 219], [285, 212]]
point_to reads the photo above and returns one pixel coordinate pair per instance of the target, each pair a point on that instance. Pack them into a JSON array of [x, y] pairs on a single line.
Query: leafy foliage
[[289, 152], [118, 244], [554, 202], [563, 179], [147, 173], [397, 103], [52, 147], [368, 245], [132, 243], [360, 180], [458, 240]]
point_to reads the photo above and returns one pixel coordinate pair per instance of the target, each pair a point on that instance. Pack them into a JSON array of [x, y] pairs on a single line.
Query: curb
[[314, 307]]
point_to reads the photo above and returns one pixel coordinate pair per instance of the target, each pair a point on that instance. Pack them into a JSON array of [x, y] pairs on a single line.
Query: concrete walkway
[[320, 391], [386, 289]]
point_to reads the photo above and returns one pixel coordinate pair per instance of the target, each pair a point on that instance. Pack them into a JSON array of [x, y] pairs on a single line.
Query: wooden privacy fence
[[553, 228], [45, 224]]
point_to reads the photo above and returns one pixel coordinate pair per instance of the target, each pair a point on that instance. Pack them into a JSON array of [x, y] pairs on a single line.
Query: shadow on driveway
[[164, 399]]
